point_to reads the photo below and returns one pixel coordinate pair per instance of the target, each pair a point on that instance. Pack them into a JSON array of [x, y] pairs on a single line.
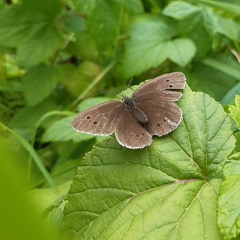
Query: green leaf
[[214, 81], [229, 208], [39, 49], [18, 25], [39, 83], [162, 190], [228, 28], [237, 135], [180, 10], [83, 46], [193, 26], [28, 117], [225, 6], [51, 7], [77, 79], [105, 19], [143, 53], [74, 23], [230, 95], [210, 21], [86, 7], [181, 51], [17, 210], [132, 6], [104, 22], [233, 165], [235, 111]]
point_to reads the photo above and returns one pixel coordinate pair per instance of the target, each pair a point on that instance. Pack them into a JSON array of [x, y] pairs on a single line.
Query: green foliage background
[[61, 57]]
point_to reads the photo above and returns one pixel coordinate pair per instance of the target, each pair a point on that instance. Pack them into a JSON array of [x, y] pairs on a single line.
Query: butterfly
[[150, 111]]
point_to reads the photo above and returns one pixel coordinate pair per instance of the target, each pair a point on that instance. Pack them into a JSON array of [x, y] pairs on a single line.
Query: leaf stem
[[33, 154]]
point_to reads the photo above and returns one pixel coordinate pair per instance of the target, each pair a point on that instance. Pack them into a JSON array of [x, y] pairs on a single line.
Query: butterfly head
[[128, 103]]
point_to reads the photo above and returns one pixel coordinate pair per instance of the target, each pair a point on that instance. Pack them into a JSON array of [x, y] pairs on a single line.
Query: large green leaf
[[169, 189]]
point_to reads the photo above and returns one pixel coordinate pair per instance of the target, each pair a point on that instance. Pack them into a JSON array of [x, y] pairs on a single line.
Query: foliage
[[235, 111], [59, 57]]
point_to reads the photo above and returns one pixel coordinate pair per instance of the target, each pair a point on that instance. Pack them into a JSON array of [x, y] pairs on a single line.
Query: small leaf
[[143, 53], [233, 165], [74, 23], [231, 94], [180, 10], [228, 28], [235, 111], [39, 82], [181, 51], [217, 87], [229, 208]]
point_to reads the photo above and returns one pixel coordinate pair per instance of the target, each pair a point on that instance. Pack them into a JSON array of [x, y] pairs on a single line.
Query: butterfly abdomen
[[130, 104], [139, 115]]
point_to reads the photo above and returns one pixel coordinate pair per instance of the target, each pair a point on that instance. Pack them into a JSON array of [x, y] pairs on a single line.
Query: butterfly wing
[[130, 133], [99, 120], [156, 100], [163, 117], [159, 87]]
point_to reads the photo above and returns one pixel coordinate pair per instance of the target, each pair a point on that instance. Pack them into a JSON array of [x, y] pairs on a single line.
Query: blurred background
[[59, 57]]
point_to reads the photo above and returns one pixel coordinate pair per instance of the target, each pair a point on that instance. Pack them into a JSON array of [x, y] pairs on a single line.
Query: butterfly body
[[149, 111], [131, 105]]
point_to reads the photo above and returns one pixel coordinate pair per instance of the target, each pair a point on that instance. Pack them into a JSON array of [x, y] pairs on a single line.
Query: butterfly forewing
[[129, 133], [159, 96], [175, 80], [99, 120]]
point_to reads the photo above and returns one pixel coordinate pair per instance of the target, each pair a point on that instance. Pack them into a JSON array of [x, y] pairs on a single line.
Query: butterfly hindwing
[[163, 117], [130, 133]]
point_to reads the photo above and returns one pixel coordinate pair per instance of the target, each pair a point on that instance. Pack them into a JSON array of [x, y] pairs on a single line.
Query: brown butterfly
[[149, 111]]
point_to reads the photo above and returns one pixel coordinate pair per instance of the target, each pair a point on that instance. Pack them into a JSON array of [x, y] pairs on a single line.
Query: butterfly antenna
[[129, 83]]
